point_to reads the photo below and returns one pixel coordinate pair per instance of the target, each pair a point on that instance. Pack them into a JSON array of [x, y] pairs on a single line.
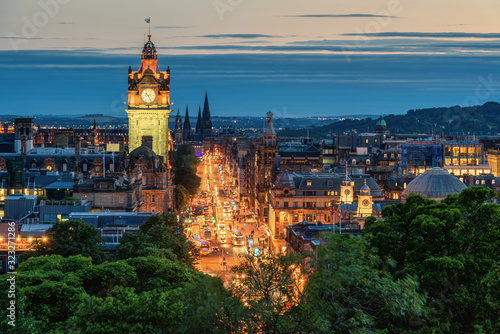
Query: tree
[[71, 237], [187, 178], [451, 247], [347, 293], [124, 311], [142, 295], [269, 287], [162, 235], [185, 165], [49, 288], [181, 198]]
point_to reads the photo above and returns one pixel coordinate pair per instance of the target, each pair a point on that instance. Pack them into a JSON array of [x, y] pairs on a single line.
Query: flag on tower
[[148, 20]]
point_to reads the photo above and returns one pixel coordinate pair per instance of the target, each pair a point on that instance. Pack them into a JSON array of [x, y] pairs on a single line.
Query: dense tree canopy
[[71, 237], [185, 165], [349, 293], [161, 235], [140, 295], [452, 247]]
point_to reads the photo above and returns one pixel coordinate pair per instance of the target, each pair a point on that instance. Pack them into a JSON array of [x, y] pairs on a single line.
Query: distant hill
[[455, 120]]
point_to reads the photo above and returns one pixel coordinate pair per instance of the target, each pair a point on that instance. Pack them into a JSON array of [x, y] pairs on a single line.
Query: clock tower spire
[[149, 102]]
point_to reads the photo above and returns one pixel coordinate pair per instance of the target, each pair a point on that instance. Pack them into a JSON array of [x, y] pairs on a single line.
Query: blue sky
[[297, 58]]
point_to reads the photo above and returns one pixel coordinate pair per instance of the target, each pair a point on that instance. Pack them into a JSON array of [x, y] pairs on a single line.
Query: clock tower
[[149, 102], [365, 201], [347, 190]]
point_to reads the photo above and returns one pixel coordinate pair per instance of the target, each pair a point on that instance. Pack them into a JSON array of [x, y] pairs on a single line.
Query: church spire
[[178, 132], [186, 132], [206, 109], [207, 122], [199, 124]]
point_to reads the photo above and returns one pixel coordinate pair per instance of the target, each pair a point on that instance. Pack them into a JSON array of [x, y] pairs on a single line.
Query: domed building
[[381, 126], [434, 184], [157, 187]]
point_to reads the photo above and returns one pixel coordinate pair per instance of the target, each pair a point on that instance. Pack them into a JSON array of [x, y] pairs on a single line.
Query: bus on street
[[222, 237], [237, 238], [202, 245]]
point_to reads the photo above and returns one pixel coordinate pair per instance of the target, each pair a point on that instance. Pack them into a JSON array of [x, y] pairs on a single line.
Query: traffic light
[[187, 209]]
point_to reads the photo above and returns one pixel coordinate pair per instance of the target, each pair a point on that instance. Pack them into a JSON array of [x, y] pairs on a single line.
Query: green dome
[[381, 122]]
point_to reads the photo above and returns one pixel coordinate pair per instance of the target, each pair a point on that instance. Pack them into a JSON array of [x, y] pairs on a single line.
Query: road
[[220, 200]]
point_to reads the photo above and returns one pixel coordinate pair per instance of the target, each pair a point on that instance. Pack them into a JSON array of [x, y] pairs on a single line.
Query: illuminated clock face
[[347, 192], [366, 202], [148, 95]]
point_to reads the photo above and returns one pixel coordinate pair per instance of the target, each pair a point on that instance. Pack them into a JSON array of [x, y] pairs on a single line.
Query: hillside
[[455, 120]]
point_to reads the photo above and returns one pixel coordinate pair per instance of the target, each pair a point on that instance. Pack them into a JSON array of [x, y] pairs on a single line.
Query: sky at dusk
[[296, 58]]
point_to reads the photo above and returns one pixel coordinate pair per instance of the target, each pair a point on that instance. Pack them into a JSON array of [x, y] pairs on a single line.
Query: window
[[85, 167], [153, 198], [121, 198], [295, 204], [285, 204], [309, 183], [330, 183], [295, 218]]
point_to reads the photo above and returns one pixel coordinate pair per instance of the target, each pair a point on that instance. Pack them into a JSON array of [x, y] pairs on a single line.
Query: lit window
[[309, 183]]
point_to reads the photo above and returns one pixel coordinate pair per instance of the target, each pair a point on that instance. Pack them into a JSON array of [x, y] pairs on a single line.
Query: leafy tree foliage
[[270, 286], [71, 237], [348, 293], [181, 198], [451, 247], [161, 235], [185, 165], [140, 295]]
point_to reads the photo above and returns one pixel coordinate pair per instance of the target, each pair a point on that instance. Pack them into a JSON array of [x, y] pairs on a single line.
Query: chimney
[[147, 141], [121, 144], [24, 148]]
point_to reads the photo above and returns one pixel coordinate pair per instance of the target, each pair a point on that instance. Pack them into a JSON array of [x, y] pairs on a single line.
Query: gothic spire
[[199, 123], [187, 127]]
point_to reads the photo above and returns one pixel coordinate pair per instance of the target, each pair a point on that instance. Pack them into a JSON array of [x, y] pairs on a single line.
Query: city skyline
[[386, 57]]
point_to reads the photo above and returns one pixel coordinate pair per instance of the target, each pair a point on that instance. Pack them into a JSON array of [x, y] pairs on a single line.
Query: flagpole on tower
[[148, 21]]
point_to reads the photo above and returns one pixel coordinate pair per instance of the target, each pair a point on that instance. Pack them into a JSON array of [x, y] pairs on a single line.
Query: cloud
[[245, 36], [17, 37], [339, 15], [172, 27], [428, 34]]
